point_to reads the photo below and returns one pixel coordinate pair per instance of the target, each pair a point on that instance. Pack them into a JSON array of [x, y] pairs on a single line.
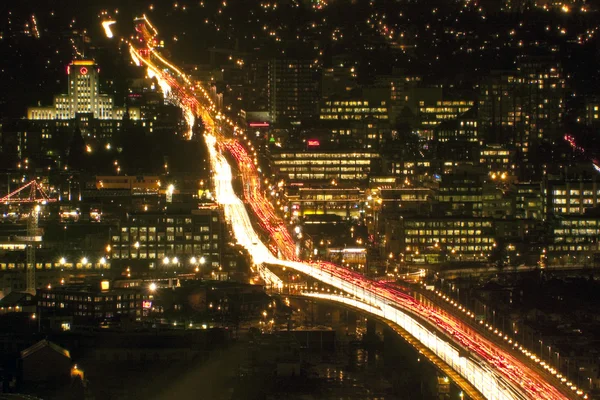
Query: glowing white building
[[83, 97]]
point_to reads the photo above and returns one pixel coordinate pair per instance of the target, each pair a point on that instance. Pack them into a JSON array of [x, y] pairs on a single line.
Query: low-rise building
[[345, 202], [444, 239], [571, 197], [528, 201], [169, 239], [315, 165], [575, 240], [97, 302], [46, 362], [497, 159]]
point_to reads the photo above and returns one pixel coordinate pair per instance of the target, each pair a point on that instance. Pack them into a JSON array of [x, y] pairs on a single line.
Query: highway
[[494, 372]]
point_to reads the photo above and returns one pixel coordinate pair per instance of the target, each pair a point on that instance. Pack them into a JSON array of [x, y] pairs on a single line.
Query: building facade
[[293, 90], [83, 97], [322, 165], [170, 240], [433, 240]]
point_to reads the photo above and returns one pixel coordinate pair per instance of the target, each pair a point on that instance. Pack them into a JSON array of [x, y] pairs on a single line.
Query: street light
[[103, 261], [84, 261], [166, 260], [202, 260], [62, 261], [152, 287], [175, 260], [170, 190], [193, 260]]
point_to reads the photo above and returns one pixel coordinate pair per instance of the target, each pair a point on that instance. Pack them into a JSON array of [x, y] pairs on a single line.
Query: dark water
[[382, 370]]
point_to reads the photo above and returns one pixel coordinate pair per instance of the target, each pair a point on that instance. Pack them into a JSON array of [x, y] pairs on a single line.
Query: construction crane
[[32, 193]]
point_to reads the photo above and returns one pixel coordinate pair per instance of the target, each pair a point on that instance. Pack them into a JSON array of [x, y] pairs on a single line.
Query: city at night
[[300, 199]]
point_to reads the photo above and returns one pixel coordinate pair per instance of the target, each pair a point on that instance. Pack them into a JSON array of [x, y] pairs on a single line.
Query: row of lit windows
[[580, 223], [40, 266], [448, 224], [160, 237], [567, 210], [97, 299], [574, 201], [443, 232], [291, 163], [355, 110], [460, 199], [167, 221], [575, 192], [349, 103], [327, 156], [495, 153], [573, 248], [328, 176], [336, 117], [160, 252], [411, 164], [577, 239], [453, 241], [320, 169], [445, 110], [71, 306], [578, 232]]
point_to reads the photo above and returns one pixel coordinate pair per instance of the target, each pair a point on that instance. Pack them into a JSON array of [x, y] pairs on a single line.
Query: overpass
[[494, 372]]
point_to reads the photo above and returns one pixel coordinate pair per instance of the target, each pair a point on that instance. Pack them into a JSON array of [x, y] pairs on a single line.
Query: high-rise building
[[403, 92], [431, 115], [571, 197], [501, 107], [461, 194], [592, 111], [338, 81], [525, 107], [545, 97], [83, 97], [293, 90], [497, 159], [575, 241], [357, 120]]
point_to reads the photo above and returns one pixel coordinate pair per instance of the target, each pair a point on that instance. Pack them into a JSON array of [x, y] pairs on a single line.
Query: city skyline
[[430, 171]]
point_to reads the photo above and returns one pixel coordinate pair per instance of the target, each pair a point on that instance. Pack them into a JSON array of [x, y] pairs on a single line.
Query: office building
[[170, 239], [529, 203], [575, 240], [94, 301], [592, 111], [313, 164], [461, 193], [345, 202], [431, 115], [338, 81], [523, 107], [571, 197], [357, 121], [411, 171], [433, 240], [497, 159], [293, 90], [462, 129]]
